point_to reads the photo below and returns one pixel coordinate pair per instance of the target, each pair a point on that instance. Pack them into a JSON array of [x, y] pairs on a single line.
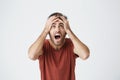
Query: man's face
[[57, 32]]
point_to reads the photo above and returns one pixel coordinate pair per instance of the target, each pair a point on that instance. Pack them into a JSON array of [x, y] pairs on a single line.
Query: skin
[[57, 26]]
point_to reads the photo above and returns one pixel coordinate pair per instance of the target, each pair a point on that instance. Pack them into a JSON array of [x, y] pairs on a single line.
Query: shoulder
[[68, 41], [46, 43], [71, 47]]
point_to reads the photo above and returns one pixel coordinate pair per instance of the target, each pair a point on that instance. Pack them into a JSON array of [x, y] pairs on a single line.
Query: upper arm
[[35, 56], [82, 54]]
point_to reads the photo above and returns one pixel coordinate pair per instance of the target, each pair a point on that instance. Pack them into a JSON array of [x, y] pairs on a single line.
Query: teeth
[[57, 34]]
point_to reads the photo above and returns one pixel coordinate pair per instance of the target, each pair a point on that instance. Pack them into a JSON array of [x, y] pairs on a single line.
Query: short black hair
[[57, 14]]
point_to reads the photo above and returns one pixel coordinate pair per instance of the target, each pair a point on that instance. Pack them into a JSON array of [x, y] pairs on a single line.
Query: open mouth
[[57, 36]]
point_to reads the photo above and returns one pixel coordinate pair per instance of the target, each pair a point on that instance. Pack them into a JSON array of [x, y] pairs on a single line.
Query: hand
[[49, 23], [66, 24]]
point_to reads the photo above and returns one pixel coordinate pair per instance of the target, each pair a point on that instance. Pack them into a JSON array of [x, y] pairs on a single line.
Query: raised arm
[[36, 49], [79, 48]]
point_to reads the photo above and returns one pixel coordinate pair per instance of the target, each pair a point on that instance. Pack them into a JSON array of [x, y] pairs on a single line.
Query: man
[[57, 55]]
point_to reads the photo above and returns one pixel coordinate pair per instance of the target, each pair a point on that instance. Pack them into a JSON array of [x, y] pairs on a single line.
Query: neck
[[56, 47]]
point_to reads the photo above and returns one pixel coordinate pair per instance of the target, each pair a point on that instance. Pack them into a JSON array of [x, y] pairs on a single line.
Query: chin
[[57, 44]]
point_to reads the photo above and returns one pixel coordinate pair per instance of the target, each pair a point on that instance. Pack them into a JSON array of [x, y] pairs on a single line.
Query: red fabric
[[57, 64]]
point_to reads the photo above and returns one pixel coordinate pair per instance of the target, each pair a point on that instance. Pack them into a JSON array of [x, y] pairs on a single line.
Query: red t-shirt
[[57, 64]]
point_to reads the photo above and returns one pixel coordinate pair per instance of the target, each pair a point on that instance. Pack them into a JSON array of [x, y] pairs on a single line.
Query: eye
[[61, 25], [53, 25]]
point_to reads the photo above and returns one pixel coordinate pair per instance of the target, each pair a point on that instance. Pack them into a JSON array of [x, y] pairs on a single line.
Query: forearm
[[36, 48], [79, 48]]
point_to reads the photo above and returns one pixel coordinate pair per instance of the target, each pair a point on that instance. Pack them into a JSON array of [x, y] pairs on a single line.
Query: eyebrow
[[61, 24]]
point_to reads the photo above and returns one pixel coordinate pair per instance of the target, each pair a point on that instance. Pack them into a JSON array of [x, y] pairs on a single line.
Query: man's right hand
[[49, 24]]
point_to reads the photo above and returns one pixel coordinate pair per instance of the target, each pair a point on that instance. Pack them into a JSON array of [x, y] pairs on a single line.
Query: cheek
[[51, 33], [63, 32]]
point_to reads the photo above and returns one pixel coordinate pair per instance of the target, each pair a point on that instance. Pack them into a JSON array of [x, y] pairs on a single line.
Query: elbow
[[86, 55], [34, 54], [31, 55]]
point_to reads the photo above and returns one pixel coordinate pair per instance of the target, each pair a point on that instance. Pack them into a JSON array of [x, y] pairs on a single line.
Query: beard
[[57, 42]]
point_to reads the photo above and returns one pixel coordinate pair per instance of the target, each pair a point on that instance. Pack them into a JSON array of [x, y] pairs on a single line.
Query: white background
[[95, 22]]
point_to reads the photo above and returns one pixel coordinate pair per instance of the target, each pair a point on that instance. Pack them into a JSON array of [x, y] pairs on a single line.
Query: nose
[[57, 29]]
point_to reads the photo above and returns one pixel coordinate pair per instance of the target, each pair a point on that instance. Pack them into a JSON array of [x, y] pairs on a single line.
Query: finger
[[63, 18], [60, 18], [51, 18], [57, 19]]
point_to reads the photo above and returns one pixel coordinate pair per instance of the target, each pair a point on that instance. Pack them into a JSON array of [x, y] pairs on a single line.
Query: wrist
[[46, 30], [68, 31]]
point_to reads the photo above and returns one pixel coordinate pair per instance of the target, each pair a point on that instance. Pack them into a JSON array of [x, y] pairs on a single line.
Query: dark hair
[[57, 14]]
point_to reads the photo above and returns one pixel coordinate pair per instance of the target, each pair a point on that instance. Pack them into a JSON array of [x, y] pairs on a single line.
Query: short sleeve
[[44, 47]]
